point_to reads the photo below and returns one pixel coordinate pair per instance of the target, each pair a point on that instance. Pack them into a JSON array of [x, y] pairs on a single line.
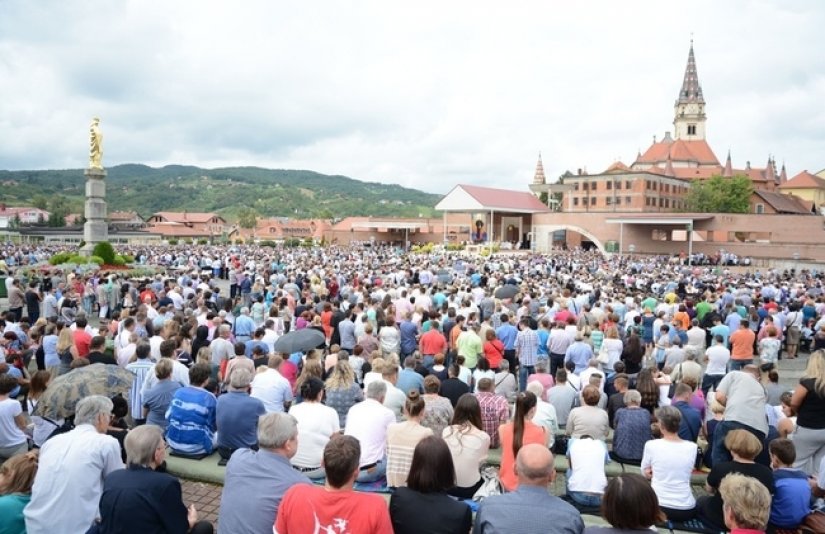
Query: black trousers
[[510, 356]]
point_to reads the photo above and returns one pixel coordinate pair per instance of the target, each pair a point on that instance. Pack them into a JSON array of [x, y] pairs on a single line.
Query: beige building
[[807, 186]]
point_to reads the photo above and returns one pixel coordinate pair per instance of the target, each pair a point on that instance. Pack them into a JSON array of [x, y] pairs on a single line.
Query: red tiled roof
[[784, 203], [186, 216], [680, 150], [804, 180], [504, 199], [617, 166], [176, 230], [123, 215]]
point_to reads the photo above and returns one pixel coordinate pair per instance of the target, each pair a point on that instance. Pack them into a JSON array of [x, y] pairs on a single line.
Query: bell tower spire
[[689, 109], [538, 177]]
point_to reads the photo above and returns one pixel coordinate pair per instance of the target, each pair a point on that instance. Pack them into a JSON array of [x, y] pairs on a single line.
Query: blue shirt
[[243, 326], [157, 399], [408, 333], [691, 421], [254, 485], [191, 418], [409, 379], [792, 500], [252, 343], [507, 334], [237, 418], [544, 335], [721, 330], [528, 510], [579, 353]]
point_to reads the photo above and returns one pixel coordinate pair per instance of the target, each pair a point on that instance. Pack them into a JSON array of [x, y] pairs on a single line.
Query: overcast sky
[[423, 94]]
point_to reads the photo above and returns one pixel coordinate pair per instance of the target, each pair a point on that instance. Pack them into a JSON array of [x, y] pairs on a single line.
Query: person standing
[[72, 466], [742, 341], [507, 333], [527, 350], [744, 399]]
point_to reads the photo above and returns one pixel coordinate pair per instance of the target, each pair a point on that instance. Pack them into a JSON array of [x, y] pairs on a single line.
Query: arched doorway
[[566, 236]]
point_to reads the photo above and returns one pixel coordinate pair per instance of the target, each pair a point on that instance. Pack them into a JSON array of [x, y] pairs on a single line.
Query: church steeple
[[689, 120], [538, 178], [728, 172]]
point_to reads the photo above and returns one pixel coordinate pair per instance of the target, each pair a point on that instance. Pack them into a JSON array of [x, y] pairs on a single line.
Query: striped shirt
[[140, 368], [527, 346], [192, 421]]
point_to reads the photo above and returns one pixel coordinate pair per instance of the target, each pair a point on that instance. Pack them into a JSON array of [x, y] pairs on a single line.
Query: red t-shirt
[[494, 352], [82, 340], [307, 508], [432, 343]]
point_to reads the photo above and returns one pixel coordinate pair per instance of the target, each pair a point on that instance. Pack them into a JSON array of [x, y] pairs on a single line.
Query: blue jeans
[[523, 372], [581, 498], [373, 473], [738, 365], [720, 452]]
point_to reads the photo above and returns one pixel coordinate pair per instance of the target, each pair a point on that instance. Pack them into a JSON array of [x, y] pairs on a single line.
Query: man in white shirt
[[180, 373], [72, 466], [222, 348], [368, 421], [271, 388], [695, 339], [394, 399], [271, 333], [716, 358]]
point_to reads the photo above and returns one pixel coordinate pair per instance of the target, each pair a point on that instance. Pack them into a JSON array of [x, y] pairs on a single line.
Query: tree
[[41, 202], [720, 195], [247, 218], [59, 210]]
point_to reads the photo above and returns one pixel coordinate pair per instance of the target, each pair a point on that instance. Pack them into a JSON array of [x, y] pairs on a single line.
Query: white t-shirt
[[587, 457], [478, 374], [316, 425], [672, 464], [469, 450], [10, 433], [271, 388], [368, 421], [718, 357]]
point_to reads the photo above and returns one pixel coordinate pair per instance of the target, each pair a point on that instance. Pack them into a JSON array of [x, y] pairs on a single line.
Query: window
[[608, 201], [609, 185], [575, 201], [691, 129], [594, 186], [760, 208], [576, 186], [627, 185], [655, 185], [584, 201], [593, 201], [667, 203], [661, 202], [618, 200], [585, 185], [618, 185], [627, 200], [647, 184]]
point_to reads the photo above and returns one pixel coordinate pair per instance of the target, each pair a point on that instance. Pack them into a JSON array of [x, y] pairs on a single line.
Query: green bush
[[239, 241], [128, 258], [203, 241], [268, 243], [60, 257], [105, 251], [95, 259], [293, 242], [173, 241], [119, 260]]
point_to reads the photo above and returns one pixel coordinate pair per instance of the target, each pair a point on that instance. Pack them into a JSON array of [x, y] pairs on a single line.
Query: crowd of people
[[430, 365]]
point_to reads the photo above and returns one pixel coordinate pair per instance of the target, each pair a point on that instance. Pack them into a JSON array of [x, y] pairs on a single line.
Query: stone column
[[96, 228]]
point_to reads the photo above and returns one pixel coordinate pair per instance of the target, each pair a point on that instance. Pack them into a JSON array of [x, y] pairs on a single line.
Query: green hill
[[271, 192]]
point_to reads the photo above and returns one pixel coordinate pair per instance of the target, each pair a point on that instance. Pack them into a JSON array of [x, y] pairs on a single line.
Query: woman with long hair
[[43, 427], [614, 348], [312, 367], [629, 505], [633, 353], [66, 350], [424, 506], [16, 480], [468, 444], [517, 433], [808, 403], [342, 391], [13, 439], [646, 385], [402, 439]]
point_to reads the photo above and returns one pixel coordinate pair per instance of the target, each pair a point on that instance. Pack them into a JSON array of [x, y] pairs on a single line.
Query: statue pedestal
[[96, 228]]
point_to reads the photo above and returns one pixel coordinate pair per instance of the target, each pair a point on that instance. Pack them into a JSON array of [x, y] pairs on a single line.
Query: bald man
[[529, 509]]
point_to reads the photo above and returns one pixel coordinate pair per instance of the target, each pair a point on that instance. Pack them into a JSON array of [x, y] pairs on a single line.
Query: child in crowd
[[792, 500]]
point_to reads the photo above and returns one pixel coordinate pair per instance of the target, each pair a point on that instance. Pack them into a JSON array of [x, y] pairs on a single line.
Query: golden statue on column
[[95, 145]]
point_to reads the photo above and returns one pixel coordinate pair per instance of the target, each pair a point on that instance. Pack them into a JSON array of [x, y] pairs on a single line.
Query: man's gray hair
[[240, 379], [541, 365], [633, 397], [377, 390], [141, 443], [503, 365], [223, 329], [89, 408], [275, 429]]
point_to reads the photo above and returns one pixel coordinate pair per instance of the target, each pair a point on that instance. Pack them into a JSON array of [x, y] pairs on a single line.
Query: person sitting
[[495, 410], [562, 396], [586, 478], [256, 481], [744, 447], [12, 421], [588, 419], [629, 505], [402, 439], [530, 509], [155, 498], [632, 430], [236, 415], [432, 473], [336, 506], [792, 500], [16, 479], [691, 418], [615, 401], [271, 387], [317, 424], [468, 444], [545, 412], [668, 463], [157, 399], [191, 415], [368, 421], [453, 387], [747, 504], [543, 377], [517, 433], [505, 382], [438, 411]]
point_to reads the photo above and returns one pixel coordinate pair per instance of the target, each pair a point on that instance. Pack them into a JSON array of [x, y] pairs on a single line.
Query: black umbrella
[[507, 291], [299, 341]]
